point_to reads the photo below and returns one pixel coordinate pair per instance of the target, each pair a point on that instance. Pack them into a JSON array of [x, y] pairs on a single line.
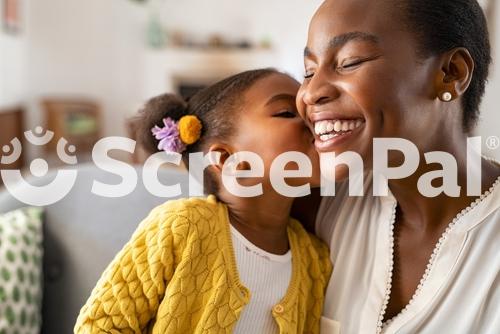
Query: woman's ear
[[457, 68]]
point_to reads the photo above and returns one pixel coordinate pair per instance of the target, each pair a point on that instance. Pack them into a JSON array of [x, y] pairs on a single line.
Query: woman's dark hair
[[442, 25], [216, 106]]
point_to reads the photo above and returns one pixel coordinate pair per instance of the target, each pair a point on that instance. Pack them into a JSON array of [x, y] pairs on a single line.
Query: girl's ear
[[222, 150], [225, 151]]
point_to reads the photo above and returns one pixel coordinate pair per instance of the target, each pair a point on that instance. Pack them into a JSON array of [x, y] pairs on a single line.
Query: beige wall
[[490, 111]]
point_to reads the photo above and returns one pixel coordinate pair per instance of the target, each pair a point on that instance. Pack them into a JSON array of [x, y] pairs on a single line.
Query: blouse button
[[279, 308]]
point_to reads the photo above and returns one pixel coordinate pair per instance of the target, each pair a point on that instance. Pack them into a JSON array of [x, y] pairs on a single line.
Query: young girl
[[221, 264]]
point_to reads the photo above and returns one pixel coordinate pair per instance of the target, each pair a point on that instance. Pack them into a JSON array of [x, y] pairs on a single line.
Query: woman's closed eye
[[346, 65], [354, 63], [351, 63]]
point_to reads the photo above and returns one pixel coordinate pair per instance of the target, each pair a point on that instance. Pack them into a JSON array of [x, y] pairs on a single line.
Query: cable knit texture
[[178, 274]]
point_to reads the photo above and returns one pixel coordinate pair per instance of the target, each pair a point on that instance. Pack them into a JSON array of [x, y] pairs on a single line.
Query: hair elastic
[[175, 136]]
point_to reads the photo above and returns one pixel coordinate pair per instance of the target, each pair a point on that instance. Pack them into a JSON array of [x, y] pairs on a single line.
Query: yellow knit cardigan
[[178, 274]]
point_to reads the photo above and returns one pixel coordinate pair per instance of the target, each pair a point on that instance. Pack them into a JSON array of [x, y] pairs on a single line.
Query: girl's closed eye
[[308, 75], [286, 114]]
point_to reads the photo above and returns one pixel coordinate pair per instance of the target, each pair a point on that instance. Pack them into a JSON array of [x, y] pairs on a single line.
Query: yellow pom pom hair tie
[[190, 129], [175, 136]]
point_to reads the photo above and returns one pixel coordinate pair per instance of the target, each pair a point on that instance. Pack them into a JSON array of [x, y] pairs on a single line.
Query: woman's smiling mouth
[[331, 132]]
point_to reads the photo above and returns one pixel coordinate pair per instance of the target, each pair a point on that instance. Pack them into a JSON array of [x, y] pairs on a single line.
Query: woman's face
[[364, 79], [270, 125]]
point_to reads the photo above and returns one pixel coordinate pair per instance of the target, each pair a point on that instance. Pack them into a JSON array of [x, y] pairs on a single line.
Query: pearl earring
[[447, 97]]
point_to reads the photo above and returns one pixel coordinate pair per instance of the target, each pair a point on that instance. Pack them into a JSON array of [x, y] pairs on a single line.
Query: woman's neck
[[263, 220], [433, 214]]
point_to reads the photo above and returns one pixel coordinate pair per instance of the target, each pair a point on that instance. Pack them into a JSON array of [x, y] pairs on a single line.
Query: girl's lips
[[331, 144]]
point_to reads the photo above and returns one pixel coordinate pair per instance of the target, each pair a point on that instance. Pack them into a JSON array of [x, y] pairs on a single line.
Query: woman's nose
[[318, 90]]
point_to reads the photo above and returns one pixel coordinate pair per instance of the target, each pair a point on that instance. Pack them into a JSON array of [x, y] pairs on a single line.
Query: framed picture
[[11, 16]]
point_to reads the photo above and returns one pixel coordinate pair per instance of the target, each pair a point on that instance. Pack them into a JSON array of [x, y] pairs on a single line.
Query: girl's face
[[363, 79], [270, 125]]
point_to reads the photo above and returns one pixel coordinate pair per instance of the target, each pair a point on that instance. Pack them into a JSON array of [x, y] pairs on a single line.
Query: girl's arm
[[129, 292]]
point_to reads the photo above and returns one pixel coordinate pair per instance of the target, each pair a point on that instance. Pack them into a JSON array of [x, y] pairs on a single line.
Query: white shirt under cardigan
[[267, 276], [460, 293]]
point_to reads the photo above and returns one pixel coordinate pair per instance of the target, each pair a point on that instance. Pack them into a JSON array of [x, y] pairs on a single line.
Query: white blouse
[[460, 292]]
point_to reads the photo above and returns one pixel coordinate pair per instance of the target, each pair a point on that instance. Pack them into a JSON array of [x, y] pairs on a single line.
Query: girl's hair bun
[[153, 113]]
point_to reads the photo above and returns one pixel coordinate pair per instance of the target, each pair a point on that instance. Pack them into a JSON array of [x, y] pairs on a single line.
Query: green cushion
[[21, 271]]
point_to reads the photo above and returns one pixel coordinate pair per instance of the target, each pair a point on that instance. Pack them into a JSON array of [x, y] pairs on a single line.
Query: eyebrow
[[341, 40], [280, 97]]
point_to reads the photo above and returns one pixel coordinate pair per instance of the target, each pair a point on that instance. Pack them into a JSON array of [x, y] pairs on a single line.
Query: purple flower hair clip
[[169, 137]]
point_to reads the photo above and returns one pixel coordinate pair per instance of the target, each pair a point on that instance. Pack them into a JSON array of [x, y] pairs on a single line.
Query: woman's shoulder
[[344, 210]]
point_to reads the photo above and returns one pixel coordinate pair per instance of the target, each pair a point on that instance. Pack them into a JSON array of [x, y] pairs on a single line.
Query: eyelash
[[286, 114], [354, 64]]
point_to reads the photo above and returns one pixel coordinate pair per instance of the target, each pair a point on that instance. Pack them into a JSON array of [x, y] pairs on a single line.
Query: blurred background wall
[[490, 111], [117, 53]]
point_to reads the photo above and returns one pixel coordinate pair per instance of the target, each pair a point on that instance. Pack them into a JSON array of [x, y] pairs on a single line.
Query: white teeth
[[330, 127], [337, 126], [324, 126], [325, 129], [317, 128], [328, 137]]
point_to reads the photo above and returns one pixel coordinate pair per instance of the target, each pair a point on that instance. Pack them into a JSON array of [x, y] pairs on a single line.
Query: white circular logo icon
[[493, 142]]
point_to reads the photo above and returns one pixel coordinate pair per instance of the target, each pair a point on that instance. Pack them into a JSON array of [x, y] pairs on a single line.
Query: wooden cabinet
[[11, 126], [77, 121]]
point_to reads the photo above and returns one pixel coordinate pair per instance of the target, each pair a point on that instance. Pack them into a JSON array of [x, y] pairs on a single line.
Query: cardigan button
[[243, 293], [279, 308]]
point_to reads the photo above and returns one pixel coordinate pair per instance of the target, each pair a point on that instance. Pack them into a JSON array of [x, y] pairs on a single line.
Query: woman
[[412, 69]]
